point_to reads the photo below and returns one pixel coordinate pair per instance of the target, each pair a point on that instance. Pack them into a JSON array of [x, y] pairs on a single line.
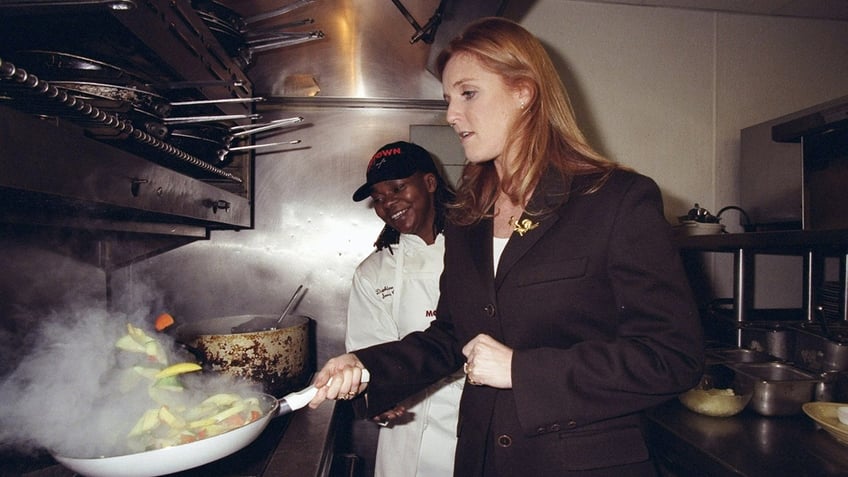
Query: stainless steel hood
[[368, 52]]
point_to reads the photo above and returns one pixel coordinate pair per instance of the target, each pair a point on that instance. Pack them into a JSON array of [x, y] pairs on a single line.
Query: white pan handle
[[299, 399]]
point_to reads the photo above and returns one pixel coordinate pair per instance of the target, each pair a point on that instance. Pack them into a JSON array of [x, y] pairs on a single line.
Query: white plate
[[825, 414]]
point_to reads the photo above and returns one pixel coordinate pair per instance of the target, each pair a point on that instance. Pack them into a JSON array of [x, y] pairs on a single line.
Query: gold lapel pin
[[522, 226]]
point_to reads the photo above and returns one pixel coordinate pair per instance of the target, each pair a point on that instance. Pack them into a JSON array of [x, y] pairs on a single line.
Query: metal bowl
[[778, 389]]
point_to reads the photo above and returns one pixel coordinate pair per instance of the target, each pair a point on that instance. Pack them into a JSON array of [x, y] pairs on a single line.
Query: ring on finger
[[466, 367]]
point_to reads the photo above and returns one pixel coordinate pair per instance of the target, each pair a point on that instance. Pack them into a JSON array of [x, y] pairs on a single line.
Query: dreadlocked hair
[[442, 198]]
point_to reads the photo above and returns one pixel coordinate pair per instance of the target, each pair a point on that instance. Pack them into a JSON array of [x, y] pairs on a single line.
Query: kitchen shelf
[[788, 242], [813, 245]]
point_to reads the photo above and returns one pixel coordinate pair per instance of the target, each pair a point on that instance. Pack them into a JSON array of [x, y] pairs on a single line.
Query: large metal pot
[[279, 359]]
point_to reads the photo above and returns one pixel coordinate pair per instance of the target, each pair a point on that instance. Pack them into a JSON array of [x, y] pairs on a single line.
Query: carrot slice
[[163, 321]]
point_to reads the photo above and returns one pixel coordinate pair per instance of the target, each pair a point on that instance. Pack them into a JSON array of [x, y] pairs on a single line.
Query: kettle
[[701, 215]]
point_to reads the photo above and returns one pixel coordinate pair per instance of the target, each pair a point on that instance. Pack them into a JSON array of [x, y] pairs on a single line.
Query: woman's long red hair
[[545, 133]]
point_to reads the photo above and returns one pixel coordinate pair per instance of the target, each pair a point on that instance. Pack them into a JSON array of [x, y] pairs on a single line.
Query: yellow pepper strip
[[179, 368]]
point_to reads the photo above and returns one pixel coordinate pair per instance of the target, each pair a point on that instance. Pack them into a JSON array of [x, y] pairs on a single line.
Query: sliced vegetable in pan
[[137, 341], [175, 419]]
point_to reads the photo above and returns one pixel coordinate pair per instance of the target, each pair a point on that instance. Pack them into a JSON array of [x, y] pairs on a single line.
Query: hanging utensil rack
[[162, 39], [73, 161], [93, 118]]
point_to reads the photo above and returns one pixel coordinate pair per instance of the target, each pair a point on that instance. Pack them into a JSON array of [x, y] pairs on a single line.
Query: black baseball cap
[[397, 160]]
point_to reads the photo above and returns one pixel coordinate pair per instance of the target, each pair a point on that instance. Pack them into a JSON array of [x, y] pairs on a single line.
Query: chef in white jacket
[[395, 291]]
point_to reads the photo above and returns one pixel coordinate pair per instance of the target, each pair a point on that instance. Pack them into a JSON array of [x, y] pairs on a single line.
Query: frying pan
[[64, 66], [193, 454], [60, 65], [145, 101], [144, 107]]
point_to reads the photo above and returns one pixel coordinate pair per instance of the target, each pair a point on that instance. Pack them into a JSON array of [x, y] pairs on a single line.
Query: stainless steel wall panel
[[366, 51], [56, 159], [307, 229]]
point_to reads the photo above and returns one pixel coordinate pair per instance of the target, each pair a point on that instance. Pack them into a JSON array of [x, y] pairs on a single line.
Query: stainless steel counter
[[306, 448], [691, 445]]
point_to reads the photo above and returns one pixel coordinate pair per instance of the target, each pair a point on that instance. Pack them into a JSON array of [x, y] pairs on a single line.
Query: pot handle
[[299, 399]]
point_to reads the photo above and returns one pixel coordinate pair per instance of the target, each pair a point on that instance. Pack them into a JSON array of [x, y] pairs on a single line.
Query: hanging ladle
[[263, 323]]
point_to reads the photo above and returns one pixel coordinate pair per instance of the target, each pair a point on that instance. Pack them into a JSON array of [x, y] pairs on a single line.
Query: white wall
[[768, 67], [667, 91]]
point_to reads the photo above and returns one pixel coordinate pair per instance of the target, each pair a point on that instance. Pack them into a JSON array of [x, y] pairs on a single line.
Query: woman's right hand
[[340, 378]]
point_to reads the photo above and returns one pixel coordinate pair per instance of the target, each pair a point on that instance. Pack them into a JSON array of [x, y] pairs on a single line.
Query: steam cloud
[[64, 395]]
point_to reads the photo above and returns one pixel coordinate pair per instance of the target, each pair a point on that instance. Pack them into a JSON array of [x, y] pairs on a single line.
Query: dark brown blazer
[[596, 306]]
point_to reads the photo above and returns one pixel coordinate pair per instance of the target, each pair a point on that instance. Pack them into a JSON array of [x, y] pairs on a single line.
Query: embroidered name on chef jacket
[[388, 291]]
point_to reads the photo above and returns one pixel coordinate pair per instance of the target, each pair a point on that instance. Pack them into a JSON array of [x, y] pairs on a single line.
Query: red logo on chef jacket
[[430, 313]]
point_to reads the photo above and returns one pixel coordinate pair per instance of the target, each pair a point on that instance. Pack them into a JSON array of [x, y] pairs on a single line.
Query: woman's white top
[[392, 295], [498, 246]]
